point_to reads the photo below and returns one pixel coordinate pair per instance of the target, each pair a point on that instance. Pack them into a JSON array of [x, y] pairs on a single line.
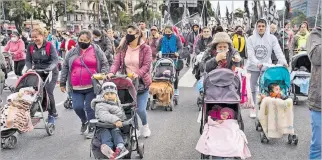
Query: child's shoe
[[120, 152], [51, 119], [107, 151]]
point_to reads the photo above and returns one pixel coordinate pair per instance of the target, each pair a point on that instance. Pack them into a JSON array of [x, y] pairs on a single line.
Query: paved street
[[174, 134]]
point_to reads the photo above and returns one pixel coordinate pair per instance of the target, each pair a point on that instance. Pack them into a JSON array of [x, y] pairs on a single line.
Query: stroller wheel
[[50, 128], [263, 138], [175, 101], [296, 140], [292, 138], [152, 105], [10, 142], [170, 108], [141, 150]]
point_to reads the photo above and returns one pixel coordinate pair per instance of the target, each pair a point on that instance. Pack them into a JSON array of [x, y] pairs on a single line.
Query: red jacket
[[175, 30], [71, 44], [145, 61]]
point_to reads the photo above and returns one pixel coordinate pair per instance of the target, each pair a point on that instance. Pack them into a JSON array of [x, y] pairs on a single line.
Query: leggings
[[50, 86], [18, 67]]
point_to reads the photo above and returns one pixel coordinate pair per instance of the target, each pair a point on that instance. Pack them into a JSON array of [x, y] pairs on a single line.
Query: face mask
[[83, 45], [239, 32], [97, 39], [14, 39], [168, 35], [130, 38], [220, 51]]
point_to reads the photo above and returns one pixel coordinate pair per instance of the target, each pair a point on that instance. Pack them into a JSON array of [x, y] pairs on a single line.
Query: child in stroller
[[222, 136], [108, 110], [120, 117], [275, 114]]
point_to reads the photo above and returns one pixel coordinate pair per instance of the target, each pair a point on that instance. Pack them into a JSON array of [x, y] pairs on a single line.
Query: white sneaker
[[252, 113], [145, 131]]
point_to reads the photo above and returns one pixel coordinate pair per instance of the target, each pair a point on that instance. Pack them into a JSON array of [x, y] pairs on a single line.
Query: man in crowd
[[105, 43], [192, 36], [145, 31], [314, 50]]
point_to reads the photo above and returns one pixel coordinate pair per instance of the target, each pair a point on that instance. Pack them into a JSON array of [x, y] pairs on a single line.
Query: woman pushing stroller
[[42, 55]]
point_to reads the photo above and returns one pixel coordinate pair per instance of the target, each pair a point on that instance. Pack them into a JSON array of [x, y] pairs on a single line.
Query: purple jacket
[[145, 60]]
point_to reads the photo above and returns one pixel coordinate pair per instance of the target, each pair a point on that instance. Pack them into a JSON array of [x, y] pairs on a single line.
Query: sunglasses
[[153, 30]]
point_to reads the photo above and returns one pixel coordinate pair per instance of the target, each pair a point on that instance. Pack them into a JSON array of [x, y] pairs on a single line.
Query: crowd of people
[[103, 51]]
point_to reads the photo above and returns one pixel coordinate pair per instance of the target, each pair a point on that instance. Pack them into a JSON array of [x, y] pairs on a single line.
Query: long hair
[[123, 46]]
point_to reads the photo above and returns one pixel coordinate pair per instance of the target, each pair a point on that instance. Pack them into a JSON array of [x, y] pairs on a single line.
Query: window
[[75, 17], [68, 17], [82, 17]]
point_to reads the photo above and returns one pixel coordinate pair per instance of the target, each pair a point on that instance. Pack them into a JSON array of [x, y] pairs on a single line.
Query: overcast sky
[[239, 4]]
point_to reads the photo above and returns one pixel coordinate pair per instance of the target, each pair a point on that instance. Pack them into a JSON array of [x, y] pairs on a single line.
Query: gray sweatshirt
[[106, 111], [260, 49]]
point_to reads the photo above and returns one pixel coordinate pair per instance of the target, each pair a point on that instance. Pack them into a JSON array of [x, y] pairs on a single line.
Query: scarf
[[274, 95], [236, 43], [169, 45]]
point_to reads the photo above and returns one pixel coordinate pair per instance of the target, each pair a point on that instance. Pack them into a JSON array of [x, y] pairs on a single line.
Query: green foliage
[[298, 17], [17, 11], [239, 13]]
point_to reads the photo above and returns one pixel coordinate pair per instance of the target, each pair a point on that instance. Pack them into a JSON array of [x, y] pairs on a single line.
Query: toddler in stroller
[[108, 110], [275, 115], [115, 135]]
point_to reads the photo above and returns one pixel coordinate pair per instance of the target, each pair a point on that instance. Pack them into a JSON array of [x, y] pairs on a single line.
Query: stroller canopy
[[126, 90], [301, 59], [278, 75], [222, 86]]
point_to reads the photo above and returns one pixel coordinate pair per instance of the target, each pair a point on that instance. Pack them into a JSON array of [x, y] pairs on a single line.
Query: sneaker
[[120, 152], [55, 115], [90, 133], [107, 151], [84, 127], [145, 131], [51, 119], [176, 92], [252, 113]]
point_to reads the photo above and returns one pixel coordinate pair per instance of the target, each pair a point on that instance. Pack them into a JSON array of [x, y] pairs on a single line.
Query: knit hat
[[230, 111], [221, 37], [97, 32], [109, 87]]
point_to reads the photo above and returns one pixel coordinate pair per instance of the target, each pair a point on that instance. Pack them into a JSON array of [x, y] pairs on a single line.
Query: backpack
[[48, 45]]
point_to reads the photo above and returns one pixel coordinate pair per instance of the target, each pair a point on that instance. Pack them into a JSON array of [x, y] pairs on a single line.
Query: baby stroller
[[221, 87], [127, 94], [162, 65], [274, 75], [300, 75], [7, 68], [41, 103]]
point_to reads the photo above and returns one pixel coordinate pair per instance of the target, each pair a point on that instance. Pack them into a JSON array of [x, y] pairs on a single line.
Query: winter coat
[[202, 44], [17, 49], [145, 61], [178, 43], [314, 50], [108, 112], [102, 65], [191, 37], [259, 49], [107, 47], [209, 59]]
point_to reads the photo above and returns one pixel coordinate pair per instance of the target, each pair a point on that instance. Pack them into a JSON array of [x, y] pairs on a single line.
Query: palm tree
[[144, 7]]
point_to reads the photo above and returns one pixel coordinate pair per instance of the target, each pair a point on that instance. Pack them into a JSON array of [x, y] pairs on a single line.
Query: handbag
[[179, 64], [97, 87]]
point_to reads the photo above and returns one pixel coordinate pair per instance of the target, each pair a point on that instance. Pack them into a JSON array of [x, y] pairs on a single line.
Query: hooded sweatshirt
[[314, 49], [260, 49]]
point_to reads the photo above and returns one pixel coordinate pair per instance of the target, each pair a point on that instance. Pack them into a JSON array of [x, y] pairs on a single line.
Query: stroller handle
[[42, 71], [97, 123]]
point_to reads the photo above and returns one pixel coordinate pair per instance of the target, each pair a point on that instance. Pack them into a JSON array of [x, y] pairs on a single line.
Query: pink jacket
[[79, 74], [223, 140], [17, 49], [145, 60]]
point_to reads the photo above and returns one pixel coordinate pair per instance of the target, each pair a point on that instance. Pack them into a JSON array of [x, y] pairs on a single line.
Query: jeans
[[315, 148], [142, 100], [176, 82], [18, 67], [81, 100], [112, 137]]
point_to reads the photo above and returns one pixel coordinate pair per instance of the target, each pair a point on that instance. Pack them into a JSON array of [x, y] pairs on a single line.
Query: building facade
[[308, 7]]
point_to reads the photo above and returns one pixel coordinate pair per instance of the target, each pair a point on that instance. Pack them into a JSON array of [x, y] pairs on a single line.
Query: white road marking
[[11, 73], [188, 79], [60, 103]]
